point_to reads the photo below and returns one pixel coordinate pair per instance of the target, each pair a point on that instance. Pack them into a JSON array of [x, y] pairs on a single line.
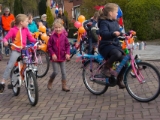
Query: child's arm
[[8, 36], [67, 46], [49, 47], [105, 32]]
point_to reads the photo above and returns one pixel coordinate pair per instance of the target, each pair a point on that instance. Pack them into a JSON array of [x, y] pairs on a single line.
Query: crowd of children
[[59, 48]]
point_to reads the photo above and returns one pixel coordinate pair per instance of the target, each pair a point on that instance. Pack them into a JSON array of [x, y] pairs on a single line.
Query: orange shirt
[[6, 21]]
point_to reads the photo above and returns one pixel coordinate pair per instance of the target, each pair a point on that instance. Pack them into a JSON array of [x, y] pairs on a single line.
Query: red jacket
[[58, 44], [6, 21]]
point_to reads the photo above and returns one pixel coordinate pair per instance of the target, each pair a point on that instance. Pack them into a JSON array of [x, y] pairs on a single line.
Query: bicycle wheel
[[14, 80], [149, 89], [32, 88], [94, 87], [43, 63]]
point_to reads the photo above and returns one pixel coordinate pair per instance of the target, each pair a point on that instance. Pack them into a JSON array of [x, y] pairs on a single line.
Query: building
[[72, 7], [76, 8]]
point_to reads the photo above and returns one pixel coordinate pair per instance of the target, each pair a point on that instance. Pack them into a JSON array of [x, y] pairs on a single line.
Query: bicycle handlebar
[[20, 47]]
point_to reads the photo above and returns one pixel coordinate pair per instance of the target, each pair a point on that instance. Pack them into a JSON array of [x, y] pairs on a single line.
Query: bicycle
[[141, 86], [83, 45], [43, 58], [29, 59]]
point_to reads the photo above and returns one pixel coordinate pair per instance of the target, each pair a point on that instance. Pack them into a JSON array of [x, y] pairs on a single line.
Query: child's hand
[[5, 43], [117, 33], [77, 44], [67, 57], [54, 57]]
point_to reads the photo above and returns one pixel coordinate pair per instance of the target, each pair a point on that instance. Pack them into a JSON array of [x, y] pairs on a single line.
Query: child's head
[[109, 11], [96, 15], [58, 26], [21, 20], [30, 18]]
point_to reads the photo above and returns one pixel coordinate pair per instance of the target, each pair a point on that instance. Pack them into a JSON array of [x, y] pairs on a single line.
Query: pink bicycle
[[144, 86]]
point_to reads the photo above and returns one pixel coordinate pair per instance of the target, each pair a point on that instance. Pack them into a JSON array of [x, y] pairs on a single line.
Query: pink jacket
[[58, 44], [25, 35]]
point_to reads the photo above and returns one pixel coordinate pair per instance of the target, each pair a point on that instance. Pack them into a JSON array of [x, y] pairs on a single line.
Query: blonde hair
[[109, 7], [58, 22], [20, 18]]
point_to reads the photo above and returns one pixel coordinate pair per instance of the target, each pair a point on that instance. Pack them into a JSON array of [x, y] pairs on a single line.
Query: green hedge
[[143, 16]]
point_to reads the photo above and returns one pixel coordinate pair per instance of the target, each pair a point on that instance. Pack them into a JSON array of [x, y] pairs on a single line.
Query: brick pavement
[[78, 104]]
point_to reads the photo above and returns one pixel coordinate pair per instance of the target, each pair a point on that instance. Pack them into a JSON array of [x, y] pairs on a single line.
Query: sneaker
[[2, 86], [7, 55]]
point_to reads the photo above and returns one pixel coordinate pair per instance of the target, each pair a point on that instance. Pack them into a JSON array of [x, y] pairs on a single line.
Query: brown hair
[[30, 16], [96, 15], [12, 23], [109, 7], [20, 18]]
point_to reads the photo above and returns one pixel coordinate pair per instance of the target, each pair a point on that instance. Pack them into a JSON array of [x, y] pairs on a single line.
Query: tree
[[42, 7], [50, 18], [18, 7], [143, 17]]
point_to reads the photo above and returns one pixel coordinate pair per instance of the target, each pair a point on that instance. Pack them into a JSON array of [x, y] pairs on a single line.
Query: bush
[[71, 32], [18, 7], [42, 7], [50, 18], [143, 17]]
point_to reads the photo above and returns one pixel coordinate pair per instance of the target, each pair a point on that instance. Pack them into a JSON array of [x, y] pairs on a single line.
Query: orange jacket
[[6, 21]]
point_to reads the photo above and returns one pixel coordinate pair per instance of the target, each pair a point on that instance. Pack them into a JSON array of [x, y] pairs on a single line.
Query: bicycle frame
[[29, 61], [132, 60]]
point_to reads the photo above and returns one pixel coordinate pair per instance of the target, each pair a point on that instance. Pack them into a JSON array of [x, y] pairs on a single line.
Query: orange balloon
[[42, 28], [81, 30], [81, 18], [43, 47], [44, 36]]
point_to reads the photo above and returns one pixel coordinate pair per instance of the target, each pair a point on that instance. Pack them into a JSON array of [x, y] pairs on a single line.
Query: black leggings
[[114, 55]]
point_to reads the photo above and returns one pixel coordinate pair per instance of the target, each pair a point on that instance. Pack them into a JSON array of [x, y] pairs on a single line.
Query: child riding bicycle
[[18, 33], [109, 46]]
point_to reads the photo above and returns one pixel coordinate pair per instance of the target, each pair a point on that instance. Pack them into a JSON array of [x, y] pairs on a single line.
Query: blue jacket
[[108, 40], [32, 27]]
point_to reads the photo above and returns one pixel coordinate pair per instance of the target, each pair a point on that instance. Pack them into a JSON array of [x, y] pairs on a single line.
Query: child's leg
[[11, 62], [63, 72], [13, 59], [53, 75], [114, 55]]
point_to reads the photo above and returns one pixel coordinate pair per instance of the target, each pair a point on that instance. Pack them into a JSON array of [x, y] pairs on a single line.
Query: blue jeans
[[6, 48]]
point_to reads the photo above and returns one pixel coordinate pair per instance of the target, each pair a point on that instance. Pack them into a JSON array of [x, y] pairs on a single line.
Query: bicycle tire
[[14, 81], [42, 71], [151, 88], [103, 87], [32, 87]]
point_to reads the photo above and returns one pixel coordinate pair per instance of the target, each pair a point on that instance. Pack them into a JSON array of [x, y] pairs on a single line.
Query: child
[[32, 25], [21, 24], [59, 50], [109, 46]]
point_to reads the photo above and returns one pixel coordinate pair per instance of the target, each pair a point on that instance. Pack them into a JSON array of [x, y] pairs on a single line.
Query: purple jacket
[[58, 44]]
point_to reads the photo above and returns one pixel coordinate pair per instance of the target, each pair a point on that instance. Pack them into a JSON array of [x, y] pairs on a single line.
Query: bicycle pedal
[[10, 86]]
